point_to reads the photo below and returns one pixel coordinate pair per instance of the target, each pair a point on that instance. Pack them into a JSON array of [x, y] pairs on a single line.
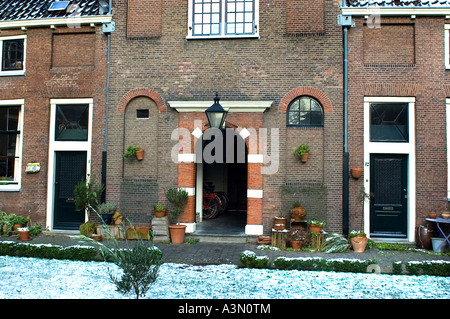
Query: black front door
[[388, 202], [69, 170]]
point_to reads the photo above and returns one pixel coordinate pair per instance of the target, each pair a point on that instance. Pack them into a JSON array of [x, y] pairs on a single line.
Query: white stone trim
[[254, 229], [254, 193], [255, 158], [230, 106], [190, 227], [427, 11], [447, 46], [189, 190], [186, 158]]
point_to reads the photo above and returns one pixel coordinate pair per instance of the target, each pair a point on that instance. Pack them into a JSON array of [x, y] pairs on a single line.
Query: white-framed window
[[447, 46], [223, 19], [13, 55], [11, 132]]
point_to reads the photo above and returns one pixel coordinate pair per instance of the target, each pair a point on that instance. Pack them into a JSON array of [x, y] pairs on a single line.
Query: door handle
[[70, 200]]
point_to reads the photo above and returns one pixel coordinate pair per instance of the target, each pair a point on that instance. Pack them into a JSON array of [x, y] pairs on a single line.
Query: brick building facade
[[264, 59], [52, 104], [398, 95]]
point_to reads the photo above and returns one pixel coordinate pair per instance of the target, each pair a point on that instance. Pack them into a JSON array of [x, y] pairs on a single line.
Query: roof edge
[[69, 21]]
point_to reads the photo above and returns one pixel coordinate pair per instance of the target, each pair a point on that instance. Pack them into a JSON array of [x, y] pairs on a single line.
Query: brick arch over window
[[141, 92], [305, 90]]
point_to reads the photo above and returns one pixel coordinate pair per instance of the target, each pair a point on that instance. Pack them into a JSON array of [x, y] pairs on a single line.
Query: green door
[[70, 168], [388, 202]]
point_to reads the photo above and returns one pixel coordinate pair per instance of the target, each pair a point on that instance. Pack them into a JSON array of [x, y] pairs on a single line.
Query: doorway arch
[[222, 170]]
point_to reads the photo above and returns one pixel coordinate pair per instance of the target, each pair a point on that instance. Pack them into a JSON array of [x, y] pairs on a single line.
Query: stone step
[[223, 239]]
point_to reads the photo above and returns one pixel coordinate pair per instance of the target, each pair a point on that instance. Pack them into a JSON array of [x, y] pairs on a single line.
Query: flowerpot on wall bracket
[[356, 172], [139, 154]]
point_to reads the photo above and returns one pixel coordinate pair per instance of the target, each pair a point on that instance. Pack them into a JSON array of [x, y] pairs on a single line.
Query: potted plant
[[178, 198], [134, 151], [315, 225], [107, 210], [18, 221], [298, 212], [280, 220], [359, 240], [297, 237], [118, 218], [87, 229], [24, 233], [160, 210], [302, 152]]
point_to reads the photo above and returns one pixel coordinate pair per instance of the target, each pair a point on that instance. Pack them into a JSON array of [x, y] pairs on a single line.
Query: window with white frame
[[447, 46], [12, 52], [223, 18], [11, 124]]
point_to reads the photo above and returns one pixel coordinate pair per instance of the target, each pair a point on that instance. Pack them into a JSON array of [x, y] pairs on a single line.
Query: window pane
[[72, 122], [241, 14], [12, 55], [9, 139], [389, 122], [305, 111], [293, 118]]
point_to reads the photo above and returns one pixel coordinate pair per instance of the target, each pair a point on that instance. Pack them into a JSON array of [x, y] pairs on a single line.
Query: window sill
[[221, 37], [9, 188], [12, 73]]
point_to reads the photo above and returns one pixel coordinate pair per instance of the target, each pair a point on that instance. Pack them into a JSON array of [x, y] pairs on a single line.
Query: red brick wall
[[144, 18], [51, 74], [264, 69], [396, 73]]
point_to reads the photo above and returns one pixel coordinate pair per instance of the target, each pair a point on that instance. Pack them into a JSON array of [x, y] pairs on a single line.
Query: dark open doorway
[[225, 180]]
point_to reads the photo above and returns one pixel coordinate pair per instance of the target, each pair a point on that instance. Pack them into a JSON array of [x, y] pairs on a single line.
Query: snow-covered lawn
[[34, 278]]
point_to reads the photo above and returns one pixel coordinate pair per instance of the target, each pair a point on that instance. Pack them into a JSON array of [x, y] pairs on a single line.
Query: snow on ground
[[35, 278]]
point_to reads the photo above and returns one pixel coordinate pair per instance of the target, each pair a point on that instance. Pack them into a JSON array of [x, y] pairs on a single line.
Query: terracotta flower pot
[[304, 157], [280, 221], [24, 235], [118, 220], [315, 228], [177, 233], [160, 213], [139, 154], [279, 226], [298, 213], [356, 172], [359, 243], [295, 244]]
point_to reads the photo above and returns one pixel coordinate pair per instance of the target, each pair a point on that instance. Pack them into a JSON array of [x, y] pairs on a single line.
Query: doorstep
[[223, 238]]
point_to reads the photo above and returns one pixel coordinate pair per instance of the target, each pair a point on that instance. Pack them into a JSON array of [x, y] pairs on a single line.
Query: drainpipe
[[345, 21], [108, 28]]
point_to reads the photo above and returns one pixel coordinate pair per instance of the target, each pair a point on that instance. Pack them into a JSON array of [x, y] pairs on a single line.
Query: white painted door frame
[[408, 148], [55, 146]]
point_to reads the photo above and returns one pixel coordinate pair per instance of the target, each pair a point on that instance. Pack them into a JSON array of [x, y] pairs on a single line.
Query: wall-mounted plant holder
[[356, 173]]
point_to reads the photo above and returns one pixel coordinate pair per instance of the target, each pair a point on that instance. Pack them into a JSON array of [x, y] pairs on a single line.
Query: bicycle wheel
[[210, 208]]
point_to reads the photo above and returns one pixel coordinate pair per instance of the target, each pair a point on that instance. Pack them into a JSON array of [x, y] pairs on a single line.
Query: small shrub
[[250, 260]]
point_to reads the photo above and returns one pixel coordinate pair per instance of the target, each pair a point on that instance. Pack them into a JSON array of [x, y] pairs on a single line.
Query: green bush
[[429, 267], [50, 252], [322, 264], [250, 260]]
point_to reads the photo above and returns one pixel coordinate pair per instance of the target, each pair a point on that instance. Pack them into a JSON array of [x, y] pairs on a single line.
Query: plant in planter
[[107, 210], [298, 212], [24, 233], [18, 221], [298, 237], [302, 152], [134, 151], [356, 172], [179, 199], [87, 229], [160, 210], [118, 218], [359, 240], [315, 225], [280, 221]]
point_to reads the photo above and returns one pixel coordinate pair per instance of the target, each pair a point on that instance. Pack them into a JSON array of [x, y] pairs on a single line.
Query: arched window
[[304, 111]]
